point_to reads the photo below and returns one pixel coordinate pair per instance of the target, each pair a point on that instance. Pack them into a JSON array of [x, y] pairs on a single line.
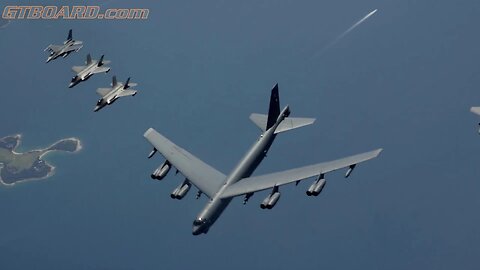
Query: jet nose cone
[[96, 108], [71, 85], [196, 230]]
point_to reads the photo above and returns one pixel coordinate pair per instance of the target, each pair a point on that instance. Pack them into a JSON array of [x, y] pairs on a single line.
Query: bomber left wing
[[207, 179], [273, 180]]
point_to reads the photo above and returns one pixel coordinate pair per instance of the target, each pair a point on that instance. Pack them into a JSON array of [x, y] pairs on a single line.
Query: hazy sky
[[404, 80]]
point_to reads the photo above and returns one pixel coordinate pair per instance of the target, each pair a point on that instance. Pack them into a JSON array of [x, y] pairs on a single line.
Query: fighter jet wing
[[103, 91], [53, 48], [475, 110], [78, 69], [267, 181], [126, 93], [207, 179], [101, 69], [74, 48]]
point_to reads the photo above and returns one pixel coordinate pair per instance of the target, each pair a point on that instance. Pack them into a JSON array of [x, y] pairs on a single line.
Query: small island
[[18, 167]]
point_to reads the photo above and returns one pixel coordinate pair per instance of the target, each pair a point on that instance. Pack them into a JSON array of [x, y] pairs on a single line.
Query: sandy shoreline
[[44, 151]]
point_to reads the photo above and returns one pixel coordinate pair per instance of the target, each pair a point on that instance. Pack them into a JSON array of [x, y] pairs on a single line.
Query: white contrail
[[337, 39]]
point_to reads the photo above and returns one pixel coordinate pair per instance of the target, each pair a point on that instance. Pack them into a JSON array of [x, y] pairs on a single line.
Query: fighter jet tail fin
[[274, 109], [114, 81], [126, 83], [89, 59], [287, 124], [100, 62], [69, 37]]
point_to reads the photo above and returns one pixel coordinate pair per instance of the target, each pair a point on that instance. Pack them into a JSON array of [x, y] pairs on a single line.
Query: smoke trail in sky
[[337, 39]]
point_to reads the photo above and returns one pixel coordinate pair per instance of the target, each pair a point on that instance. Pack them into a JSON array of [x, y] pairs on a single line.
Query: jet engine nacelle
[[317, 186], [270, 201], [161, 171], [350, 170], [181, 190]]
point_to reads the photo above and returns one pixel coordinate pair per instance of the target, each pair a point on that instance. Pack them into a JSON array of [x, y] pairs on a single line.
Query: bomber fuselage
[[247, 165]]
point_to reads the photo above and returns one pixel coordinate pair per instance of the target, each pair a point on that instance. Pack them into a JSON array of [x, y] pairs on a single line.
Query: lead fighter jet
[[221, 189], [65, 49], [118, 89], [91, 67]]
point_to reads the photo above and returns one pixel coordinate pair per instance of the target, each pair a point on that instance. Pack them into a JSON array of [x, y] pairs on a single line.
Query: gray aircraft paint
[[110, 95], [68, 46], [92, 67], [222, 189]]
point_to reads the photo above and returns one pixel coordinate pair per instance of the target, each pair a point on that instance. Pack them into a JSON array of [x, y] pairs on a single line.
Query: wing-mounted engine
[[152, 153], [181, 190], [350, 170], [162, 170], [317, 186], [271, 200], [247, 197]]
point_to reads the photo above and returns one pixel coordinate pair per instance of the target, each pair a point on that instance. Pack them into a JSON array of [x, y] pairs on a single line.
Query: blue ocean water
[[404, 81]]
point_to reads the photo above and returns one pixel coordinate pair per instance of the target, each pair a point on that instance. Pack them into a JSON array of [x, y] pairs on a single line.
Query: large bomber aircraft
[[91, 67], [65, 49], [221, 189]]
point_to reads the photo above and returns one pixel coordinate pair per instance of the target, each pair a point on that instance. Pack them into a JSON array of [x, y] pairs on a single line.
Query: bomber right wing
[[272, 180], [203, 176]]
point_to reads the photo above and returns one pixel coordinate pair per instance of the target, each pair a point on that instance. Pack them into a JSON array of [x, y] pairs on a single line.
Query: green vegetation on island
[[16, 167]]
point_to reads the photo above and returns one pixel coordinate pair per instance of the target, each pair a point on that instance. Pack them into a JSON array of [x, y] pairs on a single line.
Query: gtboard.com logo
[[73, 12]]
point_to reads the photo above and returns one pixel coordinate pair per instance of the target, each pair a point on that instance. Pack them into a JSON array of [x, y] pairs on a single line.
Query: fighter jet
[[91, 67], [118, 89], [64, 50], [221, 188], [476, 110]]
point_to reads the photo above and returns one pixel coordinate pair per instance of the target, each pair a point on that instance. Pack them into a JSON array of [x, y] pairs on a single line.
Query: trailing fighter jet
[[221, 188], [65, 49], [118, 89], [91, 67], [476, 110]]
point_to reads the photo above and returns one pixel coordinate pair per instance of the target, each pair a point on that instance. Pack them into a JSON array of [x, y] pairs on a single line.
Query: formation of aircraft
[[65, 49], [221, 188], [111, 94], [91, 67]]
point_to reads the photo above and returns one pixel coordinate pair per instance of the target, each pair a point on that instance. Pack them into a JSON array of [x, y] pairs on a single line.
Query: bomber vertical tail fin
[[274, 109], [264, 122]]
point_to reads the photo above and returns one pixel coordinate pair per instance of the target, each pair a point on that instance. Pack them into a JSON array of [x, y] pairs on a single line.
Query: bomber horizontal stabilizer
[[287, 124]]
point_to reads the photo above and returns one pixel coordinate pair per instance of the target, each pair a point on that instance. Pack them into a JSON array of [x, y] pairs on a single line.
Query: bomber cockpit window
[[198, 222]]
